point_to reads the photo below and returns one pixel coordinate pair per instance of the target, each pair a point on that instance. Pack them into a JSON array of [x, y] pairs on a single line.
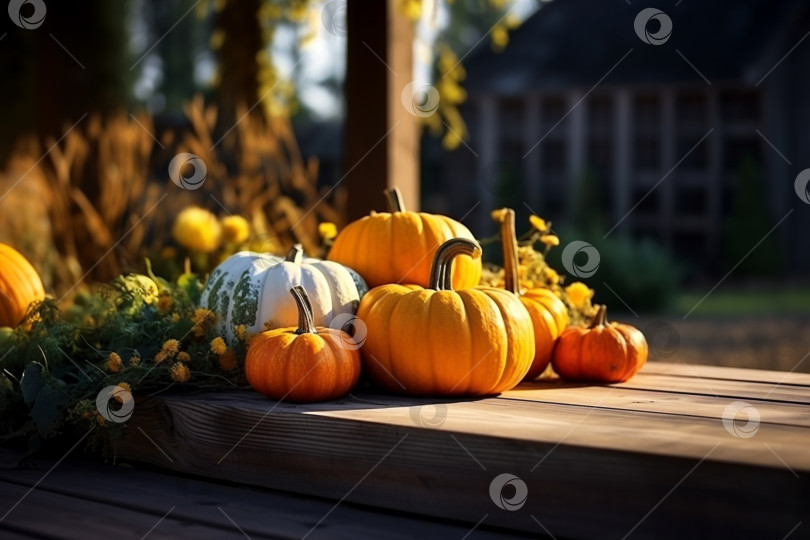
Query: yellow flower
[[550, 240], [170, 347], [218, 345], [165, 300], [203, 317], [175, 317], [160, 357], [500, 37], [579, 294], [551, 275], [411, 8], [184, 357], [134, 360], [241, 332], [227, 361], [197, 230], [236, 229], [179, 372], [114, 363], [498, 215], [538, 223], [327, 230]]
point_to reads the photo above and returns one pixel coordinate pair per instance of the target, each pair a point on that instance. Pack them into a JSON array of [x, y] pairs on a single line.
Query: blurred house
[[660, 129]]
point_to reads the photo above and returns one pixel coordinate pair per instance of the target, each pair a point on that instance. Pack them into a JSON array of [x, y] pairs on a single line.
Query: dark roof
[[576, 42]]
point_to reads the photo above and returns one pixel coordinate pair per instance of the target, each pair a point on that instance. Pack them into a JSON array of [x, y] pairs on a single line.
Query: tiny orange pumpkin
[[601, 352], [19, 286], [304, 364], [549, 314]]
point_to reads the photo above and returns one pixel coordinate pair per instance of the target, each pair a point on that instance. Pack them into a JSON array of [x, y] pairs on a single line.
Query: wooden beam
[[382, 136]]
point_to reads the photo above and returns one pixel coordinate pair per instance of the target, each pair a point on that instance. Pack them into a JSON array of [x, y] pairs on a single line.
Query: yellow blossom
[[538, 223], [579, 294], [550, 240], [498, 215], [227, 361], [134, 360], [235, 229], [500, 37], [241, 332], [165, 300], [160, 357], [179, 372], [551, 275], [197, 230], [170, 347], [175, 317], [327, 230], [114, 363], [184, 357], [203, 317], [218, 345], [411, 8]]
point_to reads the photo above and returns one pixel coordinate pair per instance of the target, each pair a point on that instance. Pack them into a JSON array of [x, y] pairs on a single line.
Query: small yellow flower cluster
[[227, 358], [168, 351], [235, 229], [180, 372], [199, 230], [218, 346], [135, 360], [114, 363], [165, 301], [327, 230], [202, 319], [241, 332]]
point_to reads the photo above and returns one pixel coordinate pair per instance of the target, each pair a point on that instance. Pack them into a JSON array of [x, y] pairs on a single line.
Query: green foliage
[[750, 222]]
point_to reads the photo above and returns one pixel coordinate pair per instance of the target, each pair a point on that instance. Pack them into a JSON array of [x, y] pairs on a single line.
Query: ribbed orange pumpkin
[[601, 352], [549, 314], [304, 364], [441, 342], [19, 286], [397, 247]]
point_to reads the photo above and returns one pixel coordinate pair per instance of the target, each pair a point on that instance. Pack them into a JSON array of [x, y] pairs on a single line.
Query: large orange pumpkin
[[549, 314], [398, 246], [441, 342], [19, 286], [303, 364], [601, 352]]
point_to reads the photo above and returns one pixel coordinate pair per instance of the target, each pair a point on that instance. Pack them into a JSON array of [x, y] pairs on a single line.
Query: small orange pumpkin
[[304, 364], [398, 246], [549, 314], [601, 352], [441, 342], [19, 286]]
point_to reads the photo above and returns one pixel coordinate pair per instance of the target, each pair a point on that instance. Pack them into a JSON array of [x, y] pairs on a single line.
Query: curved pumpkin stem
[[511, 277], [442, 261], [600, 319], [394, 198], [306, 320], [295, 254]]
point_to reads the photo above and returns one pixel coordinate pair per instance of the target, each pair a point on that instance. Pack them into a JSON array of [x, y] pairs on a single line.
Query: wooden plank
[[726, 373], [641, 400], [378, 450], [136, 499]]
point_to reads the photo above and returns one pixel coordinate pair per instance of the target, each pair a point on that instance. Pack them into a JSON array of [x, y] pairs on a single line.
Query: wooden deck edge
[[572, 491]]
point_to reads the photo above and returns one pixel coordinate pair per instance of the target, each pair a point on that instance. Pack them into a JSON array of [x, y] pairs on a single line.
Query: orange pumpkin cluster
[[430, 329]]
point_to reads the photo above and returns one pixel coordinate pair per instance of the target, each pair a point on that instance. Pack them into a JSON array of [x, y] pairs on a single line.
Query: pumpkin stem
[[440, 269], [394, 198], [306, 320], [510, 251], [295, 254], [600, 319]]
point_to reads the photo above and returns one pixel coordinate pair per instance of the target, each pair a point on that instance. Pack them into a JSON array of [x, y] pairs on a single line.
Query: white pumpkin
[[252, 289]]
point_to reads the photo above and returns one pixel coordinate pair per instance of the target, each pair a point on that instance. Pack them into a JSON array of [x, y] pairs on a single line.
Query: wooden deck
[[651, 458]]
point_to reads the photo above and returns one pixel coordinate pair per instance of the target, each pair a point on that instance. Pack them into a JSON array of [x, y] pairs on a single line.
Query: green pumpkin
[[252, 289]]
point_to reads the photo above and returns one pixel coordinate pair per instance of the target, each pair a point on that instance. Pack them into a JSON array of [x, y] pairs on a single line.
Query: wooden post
[[382, 136]]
